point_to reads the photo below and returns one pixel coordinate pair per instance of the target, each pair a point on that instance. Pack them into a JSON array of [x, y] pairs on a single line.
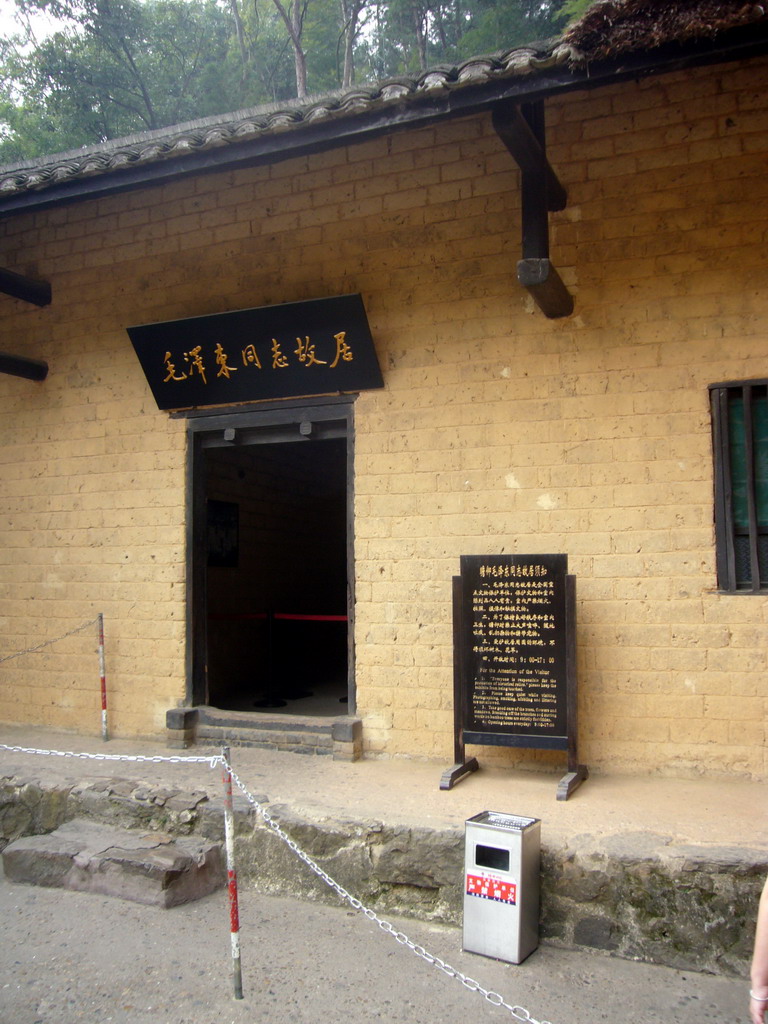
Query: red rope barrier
[[295, 617]]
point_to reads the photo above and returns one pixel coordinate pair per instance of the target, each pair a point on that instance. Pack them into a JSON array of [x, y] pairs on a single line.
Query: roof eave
[[412, 112]]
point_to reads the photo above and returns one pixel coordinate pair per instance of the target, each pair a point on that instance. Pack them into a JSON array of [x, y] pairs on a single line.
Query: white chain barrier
[[494, 998], [518, 1012], [211, 760]]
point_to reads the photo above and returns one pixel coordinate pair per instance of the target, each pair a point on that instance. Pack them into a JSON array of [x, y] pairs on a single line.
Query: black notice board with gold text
[[514, 658], [296, 349]]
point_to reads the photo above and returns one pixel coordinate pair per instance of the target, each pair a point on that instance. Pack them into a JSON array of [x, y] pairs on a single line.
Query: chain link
[[211, 761], [47, 643], [518, 1012]]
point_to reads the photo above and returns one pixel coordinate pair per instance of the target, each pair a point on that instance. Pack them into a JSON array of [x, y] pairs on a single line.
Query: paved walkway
[[709, 812], [72, 958]]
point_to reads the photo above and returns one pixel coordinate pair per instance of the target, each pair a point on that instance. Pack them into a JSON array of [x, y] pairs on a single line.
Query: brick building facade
[[498, 429]]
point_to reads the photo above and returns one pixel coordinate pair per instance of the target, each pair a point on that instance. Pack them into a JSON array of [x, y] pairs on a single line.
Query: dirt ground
[[69, 957]]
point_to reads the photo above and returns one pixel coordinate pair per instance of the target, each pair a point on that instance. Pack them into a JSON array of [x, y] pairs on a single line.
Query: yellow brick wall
[[498, 430]]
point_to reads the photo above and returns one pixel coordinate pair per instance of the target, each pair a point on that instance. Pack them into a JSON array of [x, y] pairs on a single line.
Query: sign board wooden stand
[[514, 633]]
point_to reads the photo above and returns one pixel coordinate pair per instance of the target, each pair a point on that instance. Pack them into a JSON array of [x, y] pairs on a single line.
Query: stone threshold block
[[151, 868]]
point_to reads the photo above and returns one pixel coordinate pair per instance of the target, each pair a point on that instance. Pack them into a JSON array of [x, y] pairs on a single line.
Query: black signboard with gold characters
[[514, 659], [319, 347]]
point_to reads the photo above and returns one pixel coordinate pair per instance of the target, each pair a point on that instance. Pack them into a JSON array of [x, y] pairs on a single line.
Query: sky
[[9, 25]]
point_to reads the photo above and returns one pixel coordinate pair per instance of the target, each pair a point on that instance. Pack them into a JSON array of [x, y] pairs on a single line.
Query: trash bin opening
[[491, 857]]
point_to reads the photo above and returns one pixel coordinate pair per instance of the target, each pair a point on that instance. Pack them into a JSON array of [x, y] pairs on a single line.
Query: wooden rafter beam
[[26, 288], [19, 366], [517, 135], [546, 287], [521, 129]]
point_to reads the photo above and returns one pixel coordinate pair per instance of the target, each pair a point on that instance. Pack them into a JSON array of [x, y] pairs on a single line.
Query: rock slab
[[151, 868]]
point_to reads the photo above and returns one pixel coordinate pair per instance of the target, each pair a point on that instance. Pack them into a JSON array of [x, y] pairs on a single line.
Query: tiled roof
[[229, 129], [608, 31]]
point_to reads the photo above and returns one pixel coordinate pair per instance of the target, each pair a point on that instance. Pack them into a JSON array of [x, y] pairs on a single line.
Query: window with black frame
[[740, 440]]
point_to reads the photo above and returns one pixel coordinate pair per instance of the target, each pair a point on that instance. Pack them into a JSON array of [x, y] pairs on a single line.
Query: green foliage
[[322, 41], [127, 66], [410, 35], [509, 23], [115, 67], [572, 10]]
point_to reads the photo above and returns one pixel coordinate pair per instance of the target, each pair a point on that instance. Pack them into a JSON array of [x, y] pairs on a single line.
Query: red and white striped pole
[[103, 675], [229, 837]]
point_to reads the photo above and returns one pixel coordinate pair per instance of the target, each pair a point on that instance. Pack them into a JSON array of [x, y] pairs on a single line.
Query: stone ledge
[[640, 896]]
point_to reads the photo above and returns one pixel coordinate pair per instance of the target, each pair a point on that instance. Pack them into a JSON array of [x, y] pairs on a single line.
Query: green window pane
[[738, 455], [760, 430]]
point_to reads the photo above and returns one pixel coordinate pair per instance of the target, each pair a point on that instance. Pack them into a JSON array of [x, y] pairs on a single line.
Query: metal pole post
[[229, 836], [103, 676]]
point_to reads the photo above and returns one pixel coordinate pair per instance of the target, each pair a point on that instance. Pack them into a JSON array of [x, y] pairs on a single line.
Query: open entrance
[[271, 594]]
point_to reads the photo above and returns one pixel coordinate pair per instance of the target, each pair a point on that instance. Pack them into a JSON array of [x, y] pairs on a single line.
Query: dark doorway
[[271, 511]]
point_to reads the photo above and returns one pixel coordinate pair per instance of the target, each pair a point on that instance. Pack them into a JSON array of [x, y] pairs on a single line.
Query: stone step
[[294, 733], [340, 737], [85, 856], [272, 739]]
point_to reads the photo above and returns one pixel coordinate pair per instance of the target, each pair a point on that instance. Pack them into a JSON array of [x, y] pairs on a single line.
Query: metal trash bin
[[502, 853]]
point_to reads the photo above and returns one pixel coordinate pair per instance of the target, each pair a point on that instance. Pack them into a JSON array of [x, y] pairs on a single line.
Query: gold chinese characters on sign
[[293, 350], [196, 362]]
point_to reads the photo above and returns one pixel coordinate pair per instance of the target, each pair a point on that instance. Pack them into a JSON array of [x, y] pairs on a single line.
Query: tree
[[509, 23], [409, 35], [293, 14], [124, 66], [114, 67], [351, 14]]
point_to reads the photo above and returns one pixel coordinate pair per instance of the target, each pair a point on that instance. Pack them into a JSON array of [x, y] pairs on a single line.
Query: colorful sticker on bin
[[492, 889]]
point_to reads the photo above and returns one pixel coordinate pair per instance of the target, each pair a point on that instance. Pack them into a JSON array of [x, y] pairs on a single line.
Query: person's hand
[[758, 1004]]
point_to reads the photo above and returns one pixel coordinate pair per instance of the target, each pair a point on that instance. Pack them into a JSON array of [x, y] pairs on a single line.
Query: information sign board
[[515, 659]]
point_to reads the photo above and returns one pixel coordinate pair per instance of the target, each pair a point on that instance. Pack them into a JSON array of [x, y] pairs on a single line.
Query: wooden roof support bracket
[[521, 129], [19, 366], [25, 288]]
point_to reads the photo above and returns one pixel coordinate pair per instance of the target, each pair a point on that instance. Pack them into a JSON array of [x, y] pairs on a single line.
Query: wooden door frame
[[270, 423]]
